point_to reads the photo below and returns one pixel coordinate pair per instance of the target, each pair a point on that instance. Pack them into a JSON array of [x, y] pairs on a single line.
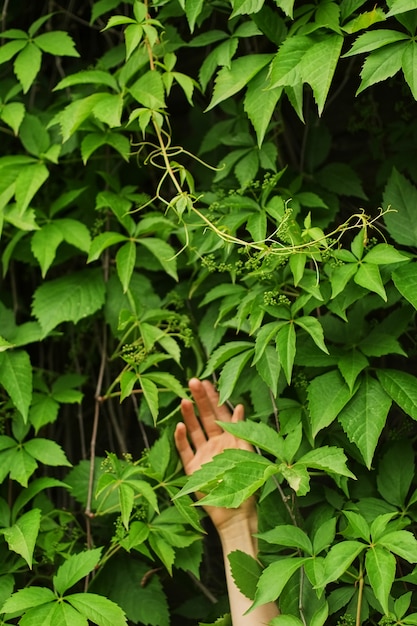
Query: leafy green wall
[[224, 189]]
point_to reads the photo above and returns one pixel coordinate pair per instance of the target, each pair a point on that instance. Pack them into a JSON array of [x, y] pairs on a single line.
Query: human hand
[[206, 440]]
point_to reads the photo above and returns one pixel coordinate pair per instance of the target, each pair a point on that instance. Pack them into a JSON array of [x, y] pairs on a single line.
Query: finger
[[194, 429], [238, 413], [221, 411], [183, 446], [207, 410]]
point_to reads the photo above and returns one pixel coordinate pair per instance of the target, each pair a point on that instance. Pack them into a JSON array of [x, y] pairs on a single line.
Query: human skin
[[198, 440]]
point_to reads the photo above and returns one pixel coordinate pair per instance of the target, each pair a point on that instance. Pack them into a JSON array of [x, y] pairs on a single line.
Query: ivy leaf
[[409, 67], [269, 368], [401, 542], [274, 578], [163, 253], [150, 393], [381, 64], [285, 341], [148, 90], [58, 43], [125, 263], [109, 109], [21, 537], [287, 536], [76, 567], [16, 378], [380, 568], [9, 49], [98, 609], [12, 114], [245, 571], [287, 63], [368, 276], [313, 327], [46, 451], [372, 40], [363, 418], [88, 77], [401, 196], [27, 65], [260, 103], [402, 388], [395, 485], [230, 374], [27, 598], [28, 182], [327, 458], [331, 386], [258, 434], [44, 244], [69, 298], [339, 558], [232, 79], [400, 6], [405, 279], [318, 66]]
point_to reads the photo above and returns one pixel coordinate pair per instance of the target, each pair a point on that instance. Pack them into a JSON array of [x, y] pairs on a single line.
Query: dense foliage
[[223, 189]]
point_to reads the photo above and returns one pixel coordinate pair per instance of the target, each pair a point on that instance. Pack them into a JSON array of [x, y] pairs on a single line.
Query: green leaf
[[381, 64], [16, 378], [12, 114], [150, 393], [369, 277], [71, 118], [193, 8], [33, 135], [363, 418], [394, 479], [28, 183], [327, 458], [318, 66], [269, 368], [126, 496], [58, 43], [274, 578], [76, 567], [148, 90], [331, 386], [246, 7], [88, 77], [341, 179], [374, 39], [246, 168], [405, 279], [313, 327], [401, 542], [380, 567], [260, 103], [98, 609], [351, 364], [69, 298], [259, 435], [287, 63], [44, 244], [245, 572], [46, 451], [285, 620], [285, 340], [288, 536], [27, 598], [232, 79], [9, 49], [400, 6], [35, 487], [109, 109], [409, 67], [402, 388], [358, 527], [163, 253], [103, 241], [383, 254], [401, 196], [339, 558], [21, 537], [231, 373], [27, 65], [125, 263]]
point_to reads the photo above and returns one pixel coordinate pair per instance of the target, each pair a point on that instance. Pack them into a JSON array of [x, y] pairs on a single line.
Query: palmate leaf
[[16, 378], [260, 103], [286, 65], [339, 558], [401, 196], [363, 418], [318, 66], [27, 598], [69, 298], [402, 388], [76, 567], [12, 114], [380, 568], [245, 571], [381, 64], [373, 40], [97, 609], [28, 182], [258, 434], [231, 80], [27, 65], [327, 395], [21, 537], [274, 578], [57, 42]]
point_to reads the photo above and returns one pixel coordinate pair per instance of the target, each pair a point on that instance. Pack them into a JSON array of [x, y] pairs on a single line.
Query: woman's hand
[[206, 439]]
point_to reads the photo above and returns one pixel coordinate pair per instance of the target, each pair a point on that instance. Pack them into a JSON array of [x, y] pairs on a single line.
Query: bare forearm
[[239, 536]]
